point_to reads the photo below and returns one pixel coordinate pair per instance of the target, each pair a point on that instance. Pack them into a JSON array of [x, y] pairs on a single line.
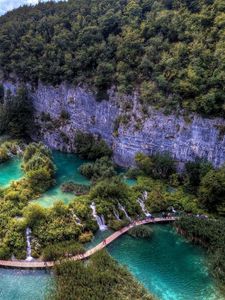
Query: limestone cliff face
[[61, 111]]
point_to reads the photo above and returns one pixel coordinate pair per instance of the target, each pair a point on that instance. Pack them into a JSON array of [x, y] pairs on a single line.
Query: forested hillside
[[172, 51]]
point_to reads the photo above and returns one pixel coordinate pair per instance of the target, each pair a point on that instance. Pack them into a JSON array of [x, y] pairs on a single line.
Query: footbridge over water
[[21, 264]]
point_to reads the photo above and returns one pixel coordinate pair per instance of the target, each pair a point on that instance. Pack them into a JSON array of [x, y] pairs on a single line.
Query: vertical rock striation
[[61, 111]]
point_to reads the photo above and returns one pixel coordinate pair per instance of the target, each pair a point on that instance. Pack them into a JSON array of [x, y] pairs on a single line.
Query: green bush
[[16, 114], [118, 224], [160, 165], [102, 168], [72, 187], [140, 232], [101, 278], [91, 147], [85, 237], [62, 250], [212, 190]]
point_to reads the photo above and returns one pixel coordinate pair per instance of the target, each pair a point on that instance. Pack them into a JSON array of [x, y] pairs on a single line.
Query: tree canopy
[[172, 51]]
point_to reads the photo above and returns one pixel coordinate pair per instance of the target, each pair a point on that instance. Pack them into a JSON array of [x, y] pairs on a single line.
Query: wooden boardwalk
[[41, 264]]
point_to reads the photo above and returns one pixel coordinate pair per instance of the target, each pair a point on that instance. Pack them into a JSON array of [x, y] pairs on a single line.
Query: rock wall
[[122, 124]]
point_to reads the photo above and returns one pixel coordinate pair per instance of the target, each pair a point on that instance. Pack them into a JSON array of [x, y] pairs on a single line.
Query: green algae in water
[[169, 267], [24, 284], [9, 171], [67, 170]]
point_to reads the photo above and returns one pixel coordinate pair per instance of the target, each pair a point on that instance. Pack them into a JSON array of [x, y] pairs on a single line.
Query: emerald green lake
[[24, 285], [167, 265], [10, 171], [67, 169]]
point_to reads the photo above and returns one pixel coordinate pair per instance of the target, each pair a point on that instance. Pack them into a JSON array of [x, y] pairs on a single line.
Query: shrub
[[72, 187], [5, 252], [101, 278], [85, 237], [61, 250], [140, 232], [16, 114], [101, 168], [158, 165], [34, 213], [91, 147], [212, 190], [118, 224]]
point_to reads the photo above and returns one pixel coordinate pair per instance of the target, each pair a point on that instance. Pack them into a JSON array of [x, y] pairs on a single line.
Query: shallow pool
[[10, 171], [24, 285], [67, 170]]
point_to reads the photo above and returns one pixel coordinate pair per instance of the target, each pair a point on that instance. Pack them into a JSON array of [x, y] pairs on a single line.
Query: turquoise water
[[168, 266], [9, 171], [24, 285], [67, 170]]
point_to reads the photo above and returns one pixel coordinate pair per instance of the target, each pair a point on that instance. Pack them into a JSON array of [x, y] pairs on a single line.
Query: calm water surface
[[67, 166], [168, 266], [10, 171], [24, 285]]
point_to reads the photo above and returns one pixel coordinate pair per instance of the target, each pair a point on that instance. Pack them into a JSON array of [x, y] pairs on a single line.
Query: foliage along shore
[[102, 278], [208, 233]]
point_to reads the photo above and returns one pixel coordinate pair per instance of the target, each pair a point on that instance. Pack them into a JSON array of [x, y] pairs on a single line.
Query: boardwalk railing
[[88, 253]]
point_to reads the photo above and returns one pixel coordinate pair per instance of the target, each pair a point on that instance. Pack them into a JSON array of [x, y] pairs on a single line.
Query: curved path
[[41, 264]]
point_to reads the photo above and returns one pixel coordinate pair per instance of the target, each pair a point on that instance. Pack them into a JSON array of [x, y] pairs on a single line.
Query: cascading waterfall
[[99, 219], [28, 238], [116, 215], [143, 208], [141, 202], [124, 211]]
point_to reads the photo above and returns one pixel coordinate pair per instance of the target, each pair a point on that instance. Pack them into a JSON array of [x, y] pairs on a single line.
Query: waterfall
[[124, 210], [77, 220], [141, 202], [28, 238], [143, 208], [116, 215], [99, 219]]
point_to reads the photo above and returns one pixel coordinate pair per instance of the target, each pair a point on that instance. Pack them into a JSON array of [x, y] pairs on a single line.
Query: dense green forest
[[172, 51]]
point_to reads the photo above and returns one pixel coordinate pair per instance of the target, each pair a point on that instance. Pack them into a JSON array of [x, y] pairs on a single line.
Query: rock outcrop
[[61, 111]]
